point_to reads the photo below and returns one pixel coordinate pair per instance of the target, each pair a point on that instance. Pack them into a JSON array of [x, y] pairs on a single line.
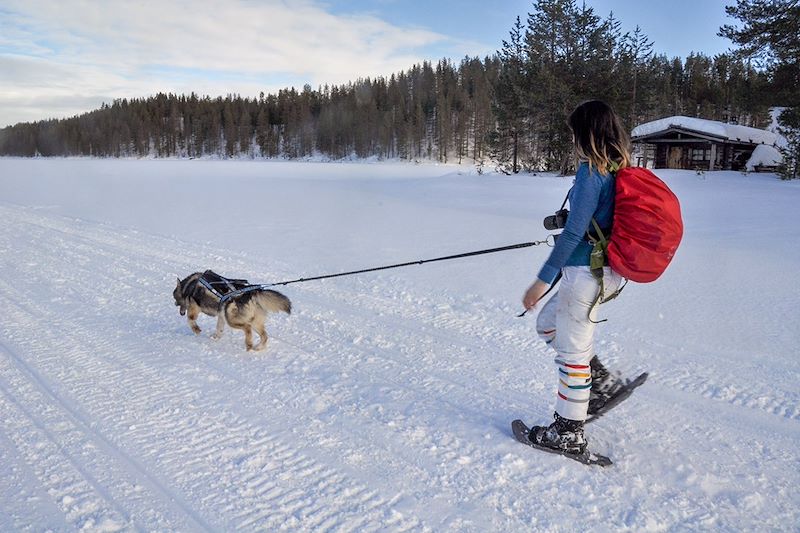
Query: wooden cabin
[[700, 144]]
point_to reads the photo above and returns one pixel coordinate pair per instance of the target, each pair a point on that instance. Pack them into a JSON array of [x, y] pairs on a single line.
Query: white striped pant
[[564, 324]]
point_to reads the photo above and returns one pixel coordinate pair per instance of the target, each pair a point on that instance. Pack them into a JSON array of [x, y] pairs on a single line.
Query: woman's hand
[[534, 294]]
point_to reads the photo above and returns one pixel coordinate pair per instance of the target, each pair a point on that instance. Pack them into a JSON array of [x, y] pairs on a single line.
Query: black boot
[[563, 435], [605, 385]]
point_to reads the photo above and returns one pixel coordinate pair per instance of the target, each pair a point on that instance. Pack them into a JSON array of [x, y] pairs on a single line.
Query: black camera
[[557, 221]]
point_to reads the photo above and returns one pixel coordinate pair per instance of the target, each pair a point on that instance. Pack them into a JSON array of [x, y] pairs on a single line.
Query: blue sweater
[[591, 196]]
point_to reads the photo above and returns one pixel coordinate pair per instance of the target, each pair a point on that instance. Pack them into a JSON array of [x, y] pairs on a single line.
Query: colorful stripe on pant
[[547, 335], [574, 387]]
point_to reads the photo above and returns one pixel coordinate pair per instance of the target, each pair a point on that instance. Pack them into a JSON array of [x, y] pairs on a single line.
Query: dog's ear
[[179, 282]]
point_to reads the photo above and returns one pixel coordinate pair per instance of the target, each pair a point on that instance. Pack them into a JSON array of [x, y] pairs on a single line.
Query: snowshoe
[[605, 385], [563, 435], [603, 402], [524, 435]]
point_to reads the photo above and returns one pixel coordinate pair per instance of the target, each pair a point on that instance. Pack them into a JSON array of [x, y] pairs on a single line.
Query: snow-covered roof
[[721, 130], [764, 156]]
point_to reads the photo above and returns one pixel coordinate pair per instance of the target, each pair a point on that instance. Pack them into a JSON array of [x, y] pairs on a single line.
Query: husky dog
[[245, 309], [194, 296]]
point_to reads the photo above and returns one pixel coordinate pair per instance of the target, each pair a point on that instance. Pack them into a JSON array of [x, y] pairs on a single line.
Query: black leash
[[548, 241], [420, 262], [552, 286]]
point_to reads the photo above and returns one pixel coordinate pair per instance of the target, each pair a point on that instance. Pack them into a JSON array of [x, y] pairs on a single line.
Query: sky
[[59, 58]]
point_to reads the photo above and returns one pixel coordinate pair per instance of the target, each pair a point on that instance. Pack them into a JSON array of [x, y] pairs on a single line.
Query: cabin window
[[701, 154]]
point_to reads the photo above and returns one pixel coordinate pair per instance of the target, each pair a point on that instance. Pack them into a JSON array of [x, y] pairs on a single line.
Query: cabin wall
[[702, 155], [689, 155]]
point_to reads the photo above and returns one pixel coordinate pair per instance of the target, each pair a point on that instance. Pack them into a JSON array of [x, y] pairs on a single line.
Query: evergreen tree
[[511, 100], [637, 49], [771, 34], [550, 41]]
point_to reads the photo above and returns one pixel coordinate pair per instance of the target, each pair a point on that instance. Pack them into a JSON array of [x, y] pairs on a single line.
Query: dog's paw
[[197, 331], [215, 337]]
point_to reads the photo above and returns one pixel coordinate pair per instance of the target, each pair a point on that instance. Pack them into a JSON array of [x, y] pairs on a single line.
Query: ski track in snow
[[204, 435], [378, 406]]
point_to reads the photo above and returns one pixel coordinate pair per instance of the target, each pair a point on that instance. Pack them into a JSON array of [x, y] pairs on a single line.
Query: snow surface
[[383, 403], [766, 156], [733, 132]]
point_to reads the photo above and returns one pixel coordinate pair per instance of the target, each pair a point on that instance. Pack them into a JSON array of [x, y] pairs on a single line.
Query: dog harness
[[211, 280]]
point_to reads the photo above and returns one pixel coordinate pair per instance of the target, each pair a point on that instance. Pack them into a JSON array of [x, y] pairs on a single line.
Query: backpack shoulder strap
[[597, 260]]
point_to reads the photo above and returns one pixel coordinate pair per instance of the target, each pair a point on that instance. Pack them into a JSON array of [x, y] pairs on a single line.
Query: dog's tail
[[273, 301]]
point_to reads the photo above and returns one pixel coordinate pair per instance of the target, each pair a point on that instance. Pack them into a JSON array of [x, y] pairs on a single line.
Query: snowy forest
[[509, 108]]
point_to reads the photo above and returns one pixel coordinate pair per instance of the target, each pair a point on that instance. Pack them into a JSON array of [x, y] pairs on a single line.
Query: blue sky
[[678, 27], [59, 58]]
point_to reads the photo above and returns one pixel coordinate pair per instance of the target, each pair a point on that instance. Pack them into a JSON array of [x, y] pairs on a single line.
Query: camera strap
[[598, 259], [566, 198]]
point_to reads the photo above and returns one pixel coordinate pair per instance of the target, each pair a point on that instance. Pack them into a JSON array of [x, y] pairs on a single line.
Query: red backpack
[[647, 227]]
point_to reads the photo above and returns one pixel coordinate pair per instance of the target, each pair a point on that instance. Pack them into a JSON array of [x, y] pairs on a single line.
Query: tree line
[[508, 109], [432, 111]]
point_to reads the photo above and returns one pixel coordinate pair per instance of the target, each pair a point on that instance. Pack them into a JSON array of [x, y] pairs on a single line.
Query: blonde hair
[[600, 137]]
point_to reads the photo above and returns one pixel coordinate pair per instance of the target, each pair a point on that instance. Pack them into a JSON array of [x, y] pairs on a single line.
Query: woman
[[567, 321]]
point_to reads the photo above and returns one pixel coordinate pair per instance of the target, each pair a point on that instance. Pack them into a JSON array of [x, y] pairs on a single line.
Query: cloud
[[83, 51]]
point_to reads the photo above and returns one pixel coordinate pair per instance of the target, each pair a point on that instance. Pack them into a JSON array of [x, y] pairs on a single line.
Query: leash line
[[548, 241]]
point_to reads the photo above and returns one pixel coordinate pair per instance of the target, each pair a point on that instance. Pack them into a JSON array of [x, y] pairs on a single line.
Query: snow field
[[384, 402]]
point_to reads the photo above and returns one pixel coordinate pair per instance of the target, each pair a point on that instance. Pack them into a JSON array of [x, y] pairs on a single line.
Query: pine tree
[[511, 92], [638, 49], [771, 35]]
